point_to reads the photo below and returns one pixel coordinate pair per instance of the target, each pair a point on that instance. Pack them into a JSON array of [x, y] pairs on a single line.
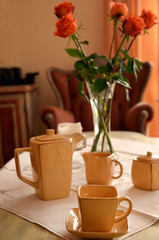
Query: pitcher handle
[[17, 151], [121, 169], [125, 214]]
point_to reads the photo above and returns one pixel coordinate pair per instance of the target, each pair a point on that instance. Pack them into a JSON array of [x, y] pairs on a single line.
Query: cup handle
[[125, 214], [17, 151], [121, 169]]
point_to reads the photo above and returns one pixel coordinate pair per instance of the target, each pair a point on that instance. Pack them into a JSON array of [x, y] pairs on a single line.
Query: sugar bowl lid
[[148, 158]]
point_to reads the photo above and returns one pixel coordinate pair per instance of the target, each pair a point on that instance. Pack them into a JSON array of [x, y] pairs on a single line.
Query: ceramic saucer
[[74, 226]]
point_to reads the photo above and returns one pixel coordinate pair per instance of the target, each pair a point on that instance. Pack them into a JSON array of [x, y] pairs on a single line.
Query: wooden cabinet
[[18, 118]]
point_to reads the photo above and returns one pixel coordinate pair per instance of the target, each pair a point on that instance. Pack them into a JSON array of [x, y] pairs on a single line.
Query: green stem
[[107, 120], [121, 44], [94, 146], [103, 109], [103, 106], [106, 133], [131, 43], [82, 53], [79, 47], [96, 139], [103, 139], [115, 24], [105, 130], [130, 46]]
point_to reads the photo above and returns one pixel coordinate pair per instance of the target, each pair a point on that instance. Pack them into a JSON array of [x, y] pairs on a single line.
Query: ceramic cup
[[100, 167], [98, 206]]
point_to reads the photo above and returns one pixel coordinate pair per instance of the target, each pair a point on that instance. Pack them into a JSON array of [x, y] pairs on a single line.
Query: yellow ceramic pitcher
[[100, 167], [51, 160]]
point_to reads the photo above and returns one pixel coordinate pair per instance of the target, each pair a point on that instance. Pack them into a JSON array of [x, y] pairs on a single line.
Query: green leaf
[[116, 60], [85, 42], [110, 19], [74, 52], [102, 69], [138, 63], [110, 66], [127, 94], [92, 63], [125, 53], [79, 65], [92, 71], [78, 76], [81, 91], [115, 75], [124, 79], [122, 68], [70, 76], [106, 68], [135, 69], [84, 75], [95, 56], [145, 31], [130, 64], [124, 82], [120, 29], [100, 84]]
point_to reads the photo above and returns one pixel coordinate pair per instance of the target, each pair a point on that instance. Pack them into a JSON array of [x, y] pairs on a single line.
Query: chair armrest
[[138, 116], [52, 116]]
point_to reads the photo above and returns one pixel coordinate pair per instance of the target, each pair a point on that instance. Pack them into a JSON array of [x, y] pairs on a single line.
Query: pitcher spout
[[75, 138]]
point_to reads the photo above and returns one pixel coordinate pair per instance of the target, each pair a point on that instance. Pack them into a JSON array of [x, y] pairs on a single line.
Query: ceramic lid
[[148, 158], [50, 136]]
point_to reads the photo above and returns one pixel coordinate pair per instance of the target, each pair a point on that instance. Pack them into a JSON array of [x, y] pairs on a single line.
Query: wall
[[27, 39]]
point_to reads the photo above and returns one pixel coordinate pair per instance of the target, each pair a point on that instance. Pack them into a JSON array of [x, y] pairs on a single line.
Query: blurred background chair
[[126, 116]]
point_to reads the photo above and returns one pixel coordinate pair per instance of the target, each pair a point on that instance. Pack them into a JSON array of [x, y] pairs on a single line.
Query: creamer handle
[[17, 151], [121, 169]]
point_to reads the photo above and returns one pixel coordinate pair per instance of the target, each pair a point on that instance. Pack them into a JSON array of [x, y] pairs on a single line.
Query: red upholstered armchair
[[126, 116]]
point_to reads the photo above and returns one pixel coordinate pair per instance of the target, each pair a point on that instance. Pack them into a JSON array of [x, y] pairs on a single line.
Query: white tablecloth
[[19, 198]]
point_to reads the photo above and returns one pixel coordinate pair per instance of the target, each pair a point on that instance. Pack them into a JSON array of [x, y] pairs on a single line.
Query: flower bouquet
[[101, 79]]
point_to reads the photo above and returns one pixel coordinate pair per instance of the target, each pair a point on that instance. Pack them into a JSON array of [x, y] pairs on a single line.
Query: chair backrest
[[120, 105], [65, 86]]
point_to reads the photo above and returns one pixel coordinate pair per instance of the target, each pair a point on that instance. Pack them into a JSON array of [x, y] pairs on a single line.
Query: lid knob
[[50, 131], [149, 154]]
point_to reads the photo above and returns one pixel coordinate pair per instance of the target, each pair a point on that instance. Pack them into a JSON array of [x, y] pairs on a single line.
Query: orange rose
[[63, 9], [133, 25], [149, 18], [118, 9], [66, 26]]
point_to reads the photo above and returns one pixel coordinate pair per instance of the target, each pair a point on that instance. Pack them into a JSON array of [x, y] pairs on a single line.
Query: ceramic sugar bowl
[[145, 172]]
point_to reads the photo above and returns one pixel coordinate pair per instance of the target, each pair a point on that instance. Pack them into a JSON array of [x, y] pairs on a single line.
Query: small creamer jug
[[100, 167]]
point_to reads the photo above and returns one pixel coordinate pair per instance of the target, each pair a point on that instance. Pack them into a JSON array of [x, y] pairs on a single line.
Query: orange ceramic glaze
[[145, 172], [100, 167], [74, 226], [98, 206], [51, 160]]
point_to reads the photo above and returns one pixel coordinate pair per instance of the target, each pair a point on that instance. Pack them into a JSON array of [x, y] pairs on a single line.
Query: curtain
[[146, 48]]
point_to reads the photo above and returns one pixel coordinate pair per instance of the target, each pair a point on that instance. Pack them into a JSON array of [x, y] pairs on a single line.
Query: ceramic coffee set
[[98, 215]]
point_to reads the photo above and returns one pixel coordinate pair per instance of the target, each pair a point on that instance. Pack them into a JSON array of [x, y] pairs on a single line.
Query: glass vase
[[101, 111]]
